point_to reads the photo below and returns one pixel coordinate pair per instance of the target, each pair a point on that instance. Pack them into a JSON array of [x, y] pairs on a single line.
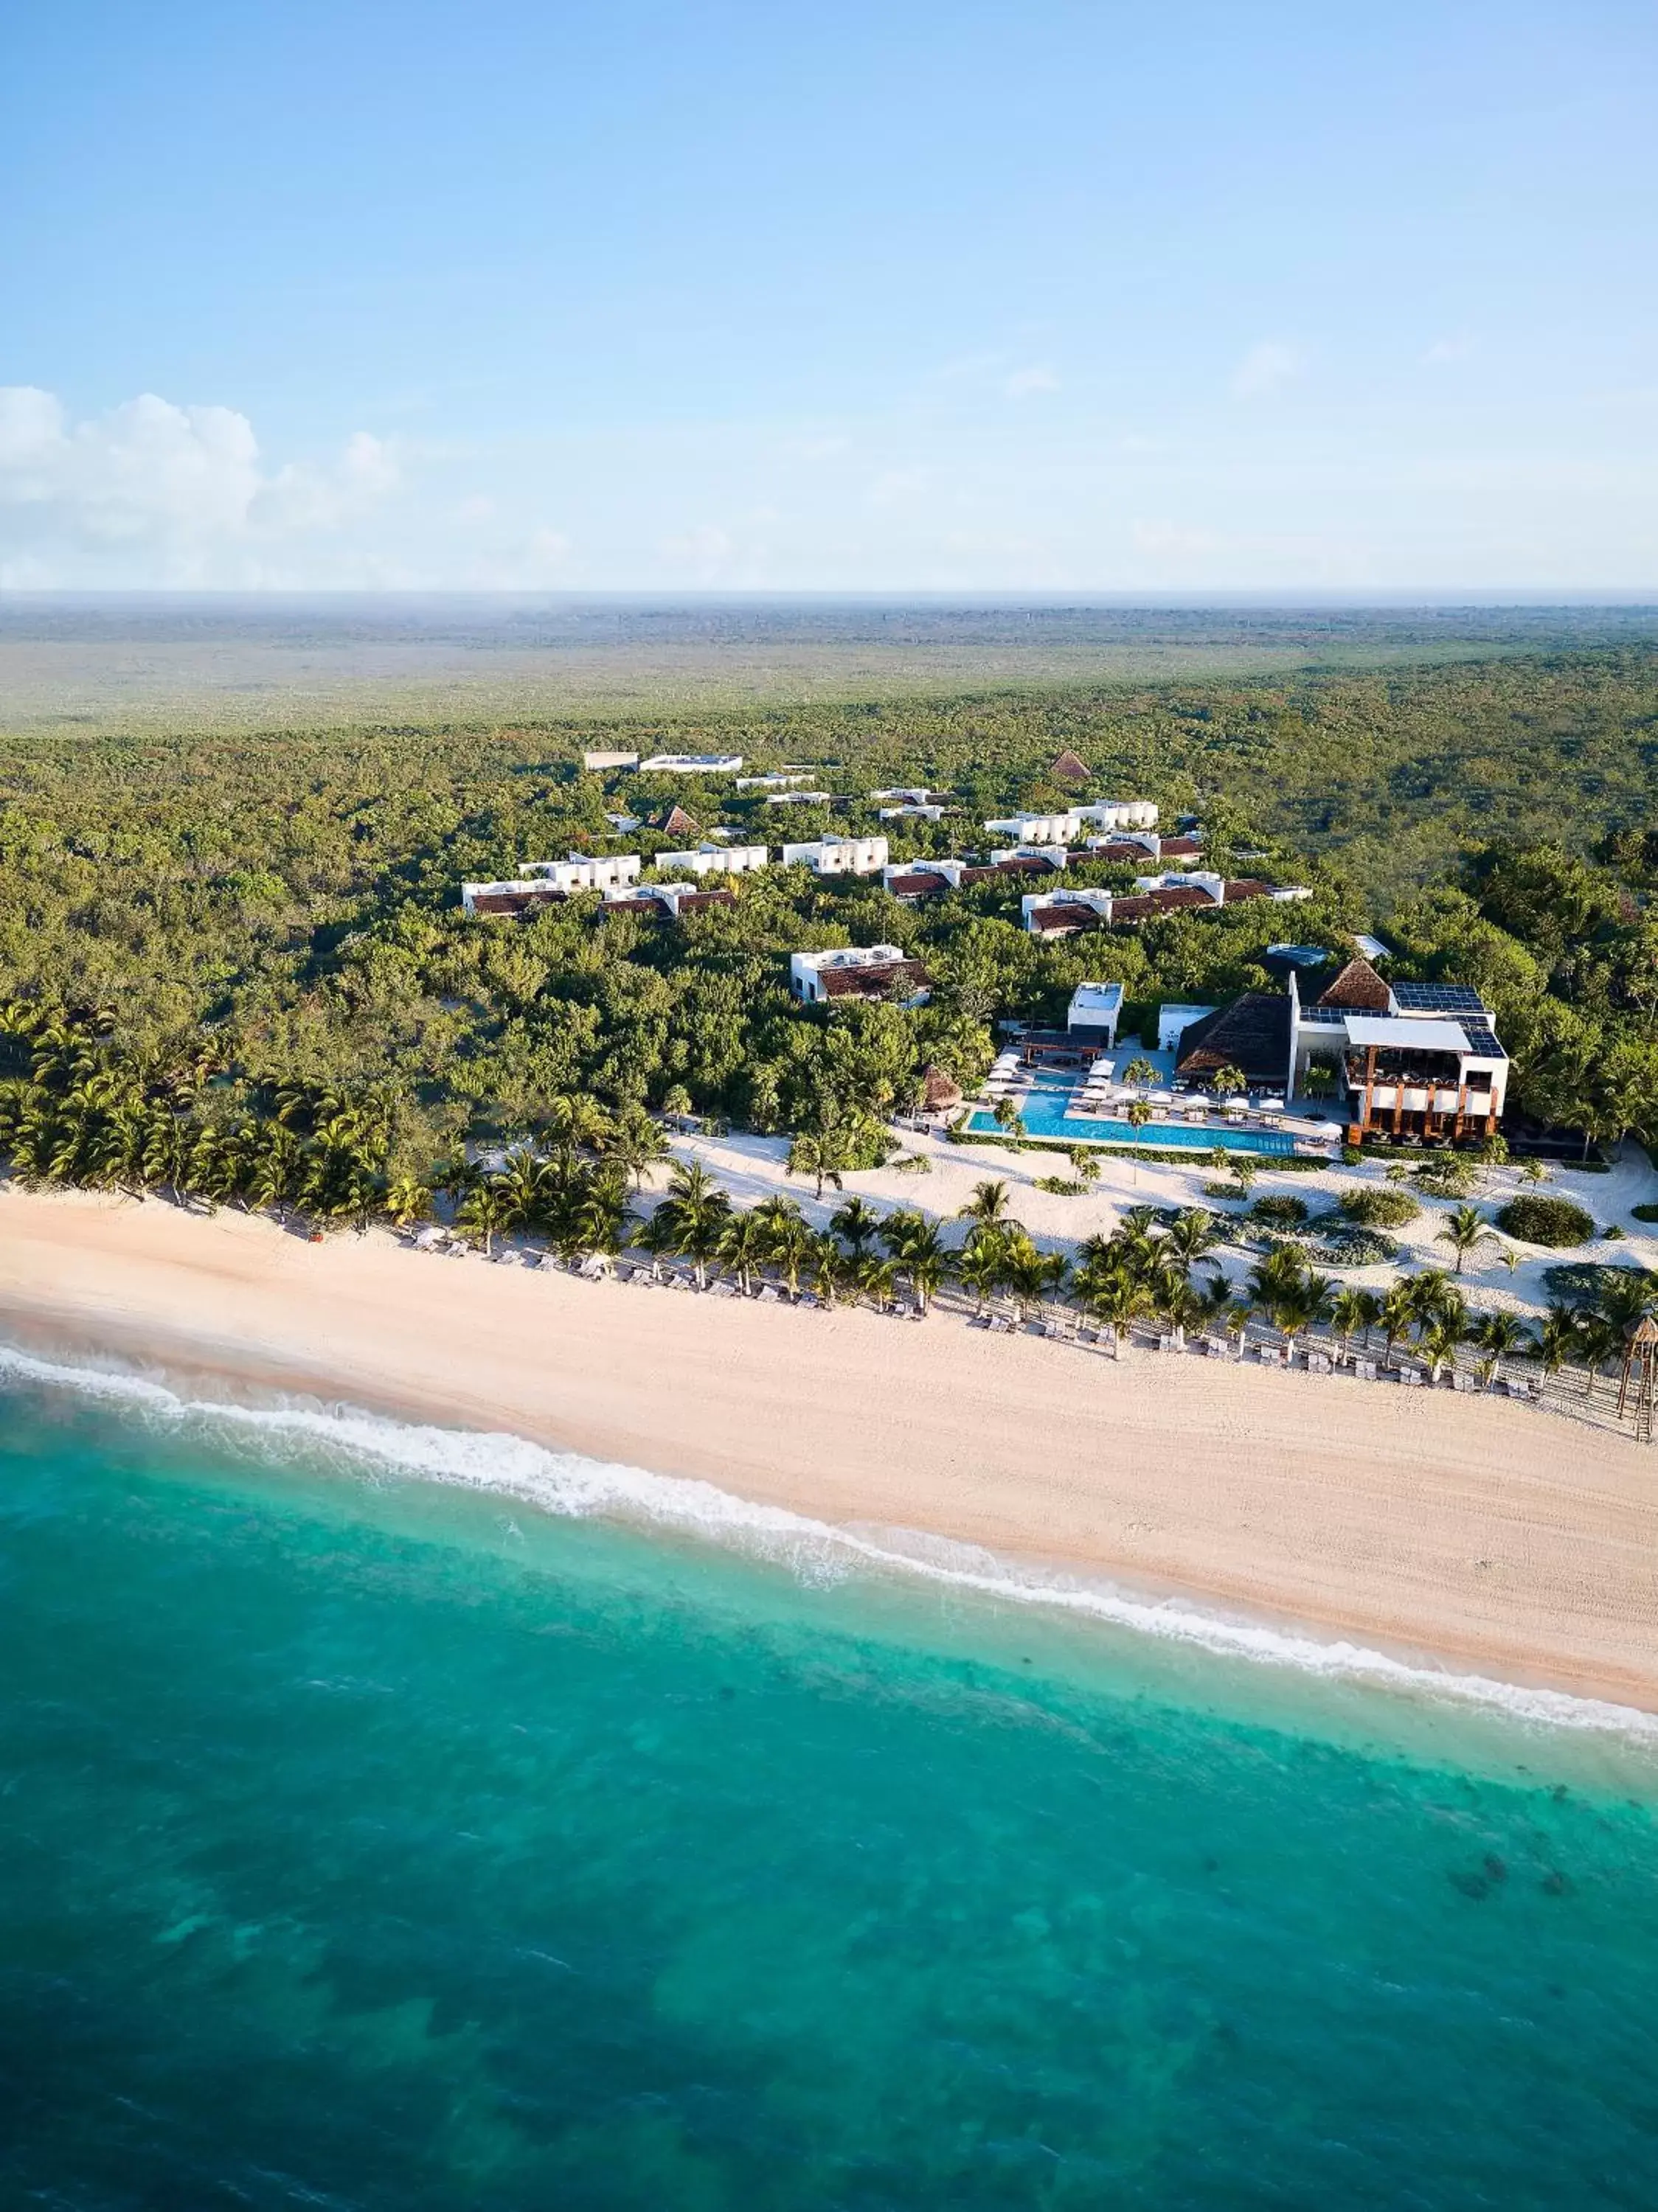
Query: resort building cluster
[[1365, 1057]]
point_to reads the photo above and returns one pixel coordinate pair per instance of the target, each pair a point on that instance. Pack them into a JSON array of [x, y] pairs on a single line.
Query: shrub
[[1281, 1211], [1380, 1209], [1352, 1156], [1535, 1219], [1061, 1186], [1644, 1213], [1359, 1248], [1224, 1190]]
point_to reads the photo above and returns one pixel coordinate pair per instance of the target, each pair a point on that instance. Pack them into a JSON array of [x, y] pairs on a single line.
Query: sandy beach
[[1492, 1534]]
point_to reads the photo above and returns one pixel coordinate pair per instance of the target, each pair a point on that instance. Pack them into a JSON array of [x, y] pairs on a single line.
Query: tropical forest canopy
[[283, 910]]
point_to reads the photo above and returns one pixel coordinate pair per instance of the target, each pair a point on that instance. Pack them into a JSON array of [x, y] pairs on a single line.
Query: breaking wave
[[569, 1484]]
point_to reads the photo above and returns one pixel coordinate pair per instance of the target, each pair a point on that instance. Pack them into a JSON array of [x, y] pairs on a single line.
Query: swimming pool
[[1043, 1112]]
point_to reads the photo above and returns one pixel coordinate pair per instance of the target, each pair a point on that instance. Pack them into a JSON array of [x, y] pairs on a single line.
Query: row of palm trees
[[1151, 1269], [89, 1116]]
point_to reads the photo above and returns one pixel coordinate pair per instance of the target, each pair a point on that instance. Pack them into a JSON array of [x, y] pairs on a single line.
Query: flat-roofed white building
[[911, 811], [712, 859], [1202, 879], [800, 799], [1053, 856], [582, 871], [1057, 914], [1174, 1018], [603, 760], [692, 764], [855, 971], [1066, 828], [778, 779], [1095, 1009], [839, 856], [1035, 828], [1119, 814]]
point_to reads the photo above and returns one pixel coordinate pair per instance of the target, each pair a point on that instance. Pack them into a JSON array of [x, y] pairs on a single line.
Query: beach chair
[[1461, 1381], [1318, 1363], [1411, 1377], [770, 1294], [1365, 1369]]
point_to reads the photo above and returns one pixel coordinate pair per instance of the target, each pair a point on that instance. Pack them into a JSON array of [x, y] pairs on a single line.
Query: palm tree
[[1465, 1231], [1140, 1069], [1116, 1301], [1557, 1337], [1347, 1314], [987, 1208], [1398, 1313], [823, 1156], [741, 1245], [1007, 1116], [855, 1223], [1084, 1164], [1440, 1338], [787, 1239], [982, 1267], [1303, 1304], [1136, 1113], [1193, 1232], [1226, 1082], [875, 1277], [691, 1216], [1499, 1336], [638, 1146], [408, 1200], [827, 1263], [484, 1212]]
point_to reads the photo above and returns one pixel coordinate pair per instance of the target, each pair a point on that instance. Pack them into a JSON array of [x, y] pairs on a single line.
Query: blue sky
[[951, 297]]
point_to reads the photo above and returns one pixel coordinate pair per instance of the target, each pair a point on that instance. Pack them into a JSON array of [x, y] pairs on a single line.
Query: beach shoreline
[[1475, 1535]]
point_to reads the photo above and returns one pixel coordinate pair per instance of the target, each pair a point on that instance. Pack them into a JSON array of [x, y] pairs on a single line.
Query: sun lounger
[[1411, 1375], [1461, 1381], [1318, 1363], [770, 1294], [1365, 1369]]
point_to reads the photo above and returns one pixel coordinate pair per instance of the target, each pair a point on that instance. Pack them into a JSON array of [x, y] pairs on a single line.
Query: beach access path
[[1491, 1534]]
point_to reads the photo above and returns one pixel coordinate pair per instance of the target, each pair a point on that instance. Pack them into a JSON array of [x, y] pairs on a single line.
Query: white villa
[[603, 760], [1061, 913], [855, 971], [1063, 829], [800, 798], [721, 860], [778, 781], [839, 856], [582, 872], [913, 809], [692, 764], [1095, 1009]]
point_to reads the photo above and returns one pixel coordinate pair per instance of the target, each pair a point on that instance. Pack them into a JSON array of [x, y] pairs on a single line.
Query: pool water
[[1043, 1112]]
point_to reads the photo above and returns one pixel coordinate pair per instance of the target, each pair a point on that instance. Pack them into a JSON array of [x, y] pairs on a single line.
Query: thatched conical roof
[[942, 1091], [1068, 769]]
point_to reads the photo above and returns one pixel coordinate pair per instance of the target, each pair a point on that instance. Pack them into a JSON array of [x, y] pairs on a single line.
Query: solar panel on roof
[[1482, 1040], [1437, 998]]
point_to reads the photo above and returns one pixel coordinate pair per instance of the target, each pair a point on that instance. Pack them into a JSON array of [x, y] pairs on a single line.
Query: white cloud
[[151, 493], [1266, 367], [1173, 539], [1024, 381], [701, 555]]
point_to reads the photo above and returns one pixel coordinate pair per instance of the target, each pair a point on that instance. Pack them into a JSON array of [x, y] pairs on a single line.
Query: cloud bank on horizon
[[933, 302]]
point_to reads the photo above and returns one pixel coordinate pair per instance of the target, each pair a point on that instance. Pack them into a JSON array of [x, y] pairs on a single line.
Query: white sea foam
[[815, 1551]]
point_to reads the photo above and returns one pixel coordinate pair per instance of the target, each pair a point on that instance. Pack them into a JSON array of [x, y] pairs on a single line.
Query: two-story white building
[[583, 872], [715, 859], [1066, 828], [839, 856]]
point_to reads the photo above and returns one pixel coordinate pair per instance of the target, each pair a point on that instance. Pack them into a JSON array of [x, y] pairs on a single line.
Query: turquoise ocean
[[402, 1820]]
